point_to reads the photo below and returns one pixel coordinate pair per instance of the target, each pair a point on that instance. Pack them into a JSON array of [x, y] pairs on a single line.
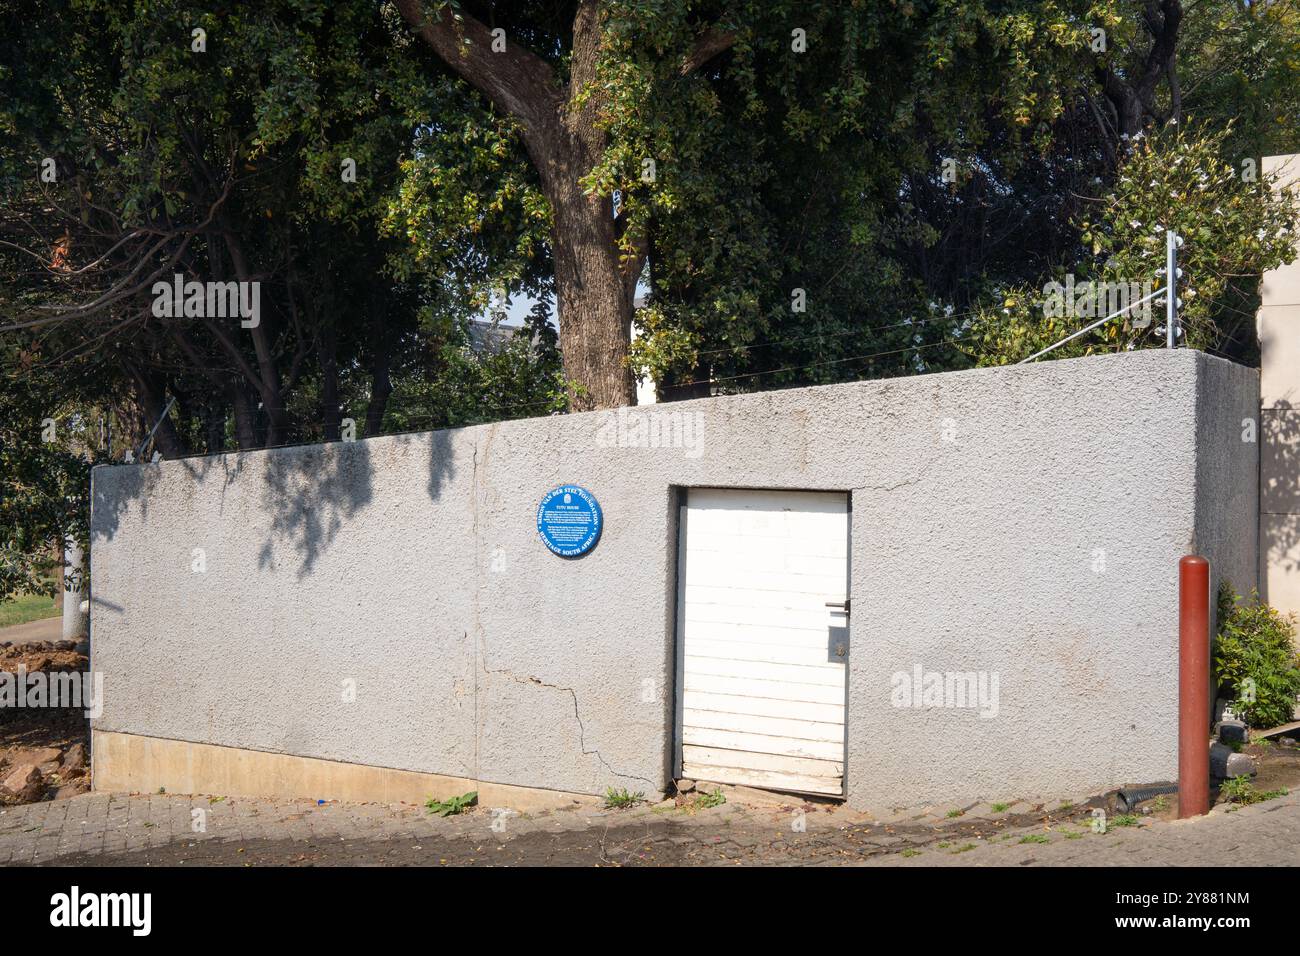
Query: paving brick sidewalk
[[161, 830], [1266, 834]]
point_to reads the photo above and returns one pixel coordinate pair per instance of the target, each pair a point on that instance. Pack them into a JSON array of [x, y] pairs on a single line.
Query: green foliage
[[780, 172], [467, 205], [356, 275], [1243, 59], [452, 805], [1184, 181], [1256, 642], [708, 799], [1232, 230], [621, 798], [1240, 791], [450, 384], [44, 479]]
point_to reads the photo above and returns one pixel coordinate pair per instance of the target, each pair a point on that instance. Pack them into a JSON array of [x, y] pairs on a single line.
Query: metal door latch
[[839, 647]]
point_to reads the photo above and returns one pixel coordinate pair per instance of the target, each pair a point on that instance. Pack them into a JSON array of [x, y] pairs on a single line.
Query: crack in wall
[[894, 487], [582, 728], [477, 631], [916, 479]]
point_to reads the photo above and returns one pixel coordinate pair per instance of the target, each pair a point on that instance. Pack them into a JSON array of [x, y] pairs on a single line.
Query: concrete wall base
[[135, 764]]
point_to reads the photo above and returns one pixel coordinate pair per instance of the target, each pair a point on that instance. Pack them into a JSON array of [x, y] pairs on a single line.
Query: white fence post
[[75, 621]]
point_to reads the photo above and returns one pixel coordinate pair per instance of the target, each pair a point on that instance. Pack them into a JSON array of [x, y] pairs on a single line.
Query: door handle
[[838, 646]]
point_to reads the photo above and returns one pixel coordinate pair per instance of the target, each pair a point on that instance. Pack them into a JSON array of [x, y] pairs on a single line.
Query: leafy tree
[[230, 156], [544, 70], [46, 451], [1231, 230], [133, 149], [774, 218]]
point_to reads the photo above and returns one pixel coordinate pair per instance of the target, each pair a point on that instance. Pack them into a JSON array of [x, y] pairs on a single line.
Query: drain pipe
[[1193, 686]]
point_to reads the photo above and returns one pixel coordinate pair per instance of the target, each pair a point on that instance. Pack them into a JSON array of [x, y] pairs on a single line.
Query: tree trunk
[[381, 385], [57, 551], [268, 383], [215, 429], [1132, 96], [595, 311], [151, 396], [75, 623], [245, 419], [329, 393], [560, 123]]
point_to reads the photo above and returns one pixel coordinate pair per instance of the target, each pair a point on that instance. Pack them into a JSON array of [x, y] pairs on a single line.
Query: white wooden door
[[763, 657]]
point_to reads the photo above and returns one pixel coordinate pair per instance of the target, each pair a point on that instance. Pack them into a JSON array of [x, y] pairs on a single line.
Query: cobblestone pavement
[[96, 829]]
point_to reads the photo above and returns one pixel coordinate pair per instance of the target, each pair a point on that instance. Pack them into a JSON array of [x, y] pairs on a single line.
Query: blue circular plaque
[[569, 521]]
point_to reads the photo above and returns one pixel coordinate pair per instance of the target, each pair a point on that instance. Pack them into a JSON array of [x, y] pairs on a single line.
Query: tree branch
[[515, 80], [1164, 32], [708, 45]]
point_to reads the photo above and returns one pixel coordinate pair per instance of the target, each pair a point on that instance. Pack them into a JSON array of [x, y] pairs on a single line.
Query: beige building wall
[[1279, 387]]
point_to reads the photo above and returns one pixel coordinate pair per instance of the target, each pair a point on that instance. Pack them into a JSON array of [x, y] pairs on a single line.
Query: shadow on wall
[[314, 490], [1280, 487], [112, 489], [311, 492]]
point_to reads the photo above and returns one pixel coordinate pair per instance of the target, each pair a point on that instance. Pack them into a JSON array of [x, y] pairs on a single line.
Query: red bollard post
[[1193, 686]]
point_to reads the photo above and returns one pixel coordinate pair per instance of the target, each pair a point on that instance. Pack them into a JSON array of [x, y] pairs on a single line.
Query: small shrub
[[1237, 790], [1126, 820], [1256, 643], [710, 799], [1035, 838], [1000, 807], [452, 805], [620, 799], [1241, 791]]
